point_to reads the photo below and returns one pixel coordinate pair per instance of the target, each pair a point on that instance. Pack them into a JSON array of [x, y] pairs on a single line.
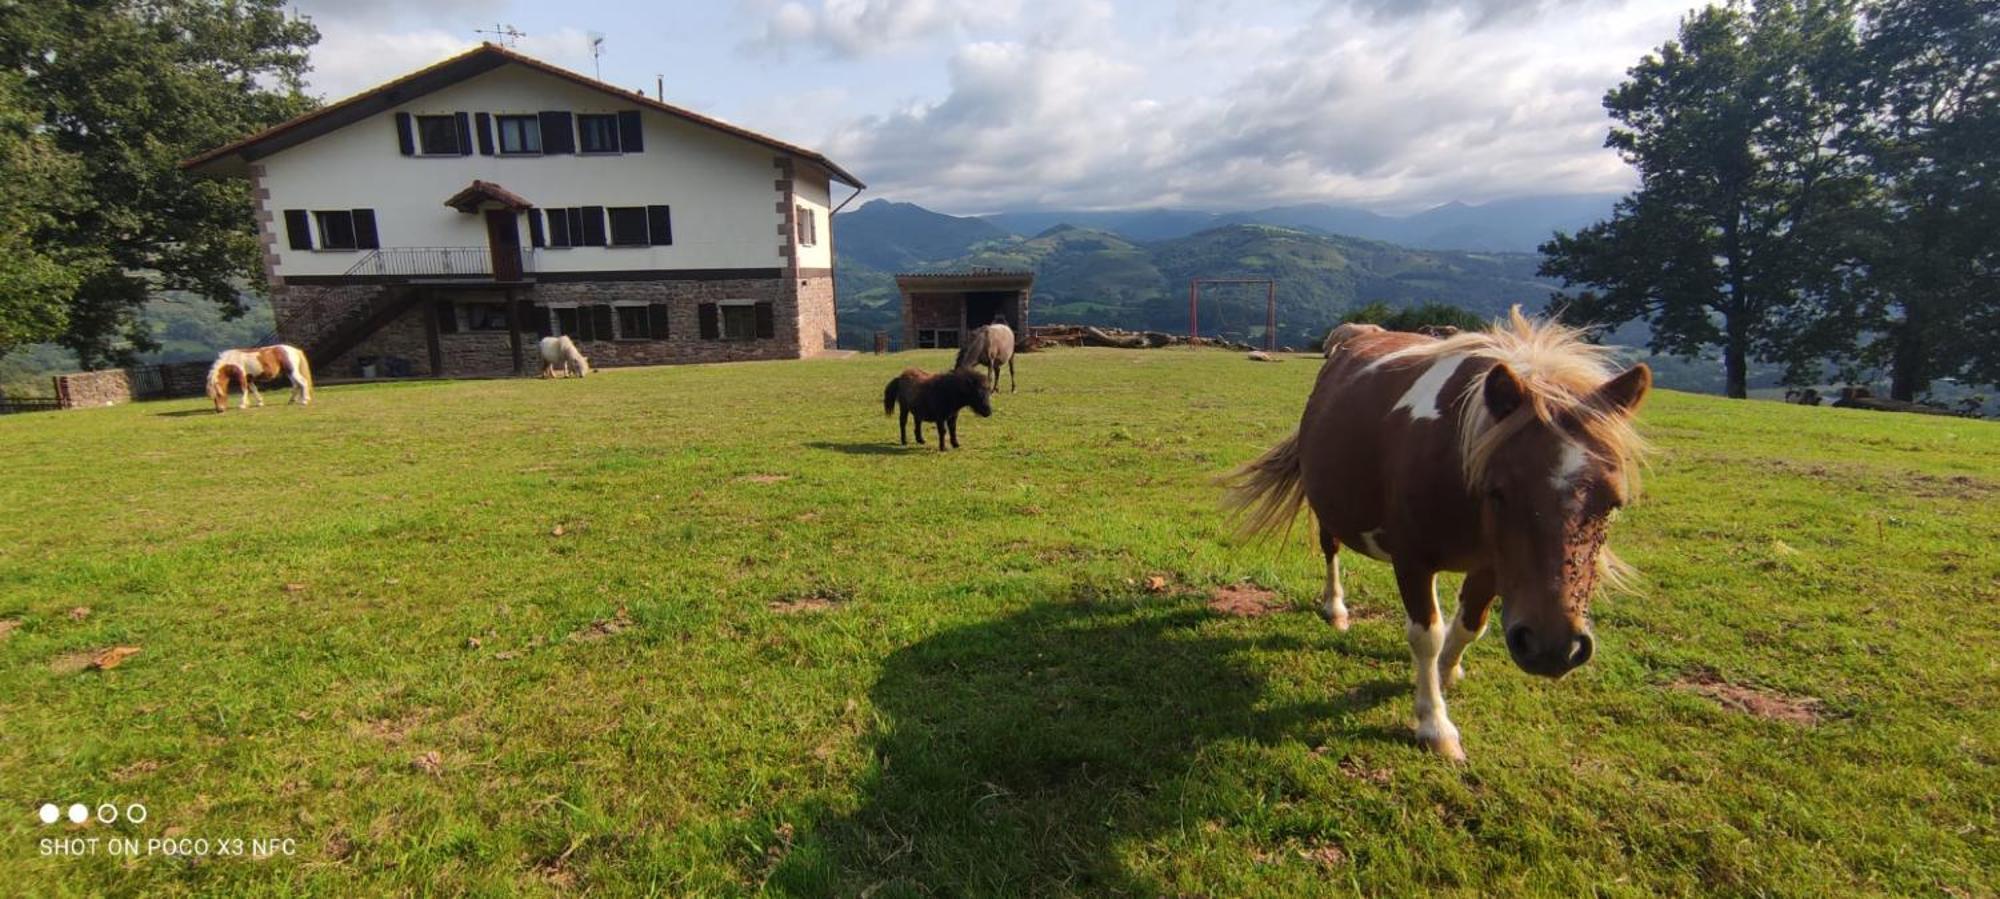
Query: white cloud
[[1388, 105], [862, 27]]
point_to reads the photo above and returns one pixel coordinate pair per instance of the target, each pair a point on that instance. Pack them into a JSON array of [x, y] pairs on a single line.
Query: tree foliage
[[43, 187], [122, 91], [1931, 140], [1425, 317], [1740, 228]]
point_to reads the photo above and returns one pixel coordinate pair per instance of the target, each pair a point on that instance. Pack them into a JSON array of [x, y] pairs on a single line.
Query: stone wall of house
[[399, 348], [931, 311], [819, 327], [91, 389], [306, 312], [683, 298]]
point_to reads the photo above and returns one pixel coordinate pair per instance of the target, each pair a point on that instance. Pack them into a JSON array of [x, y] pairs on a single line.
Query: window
[[642, 322], [438, 135], [597, 133], [808, 225], [520, 134], [585, 323], [485, 316], [628, 226], [739, 322], [941, 338], [336, 229], [577, 226]]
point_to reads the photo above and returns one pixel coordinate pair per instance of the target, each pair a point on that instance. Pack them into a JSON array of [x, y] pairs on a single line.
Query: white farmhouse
[[439, 223]]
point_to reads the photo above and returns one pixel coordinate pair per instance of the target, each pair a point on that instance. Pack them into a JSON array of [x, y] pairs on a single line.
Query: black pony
[[929, 397]]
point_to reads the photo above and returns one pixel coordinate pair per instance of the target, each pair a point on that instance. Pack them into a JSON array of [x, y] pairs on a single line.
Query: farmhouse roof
[[230, 158], [995, 274]]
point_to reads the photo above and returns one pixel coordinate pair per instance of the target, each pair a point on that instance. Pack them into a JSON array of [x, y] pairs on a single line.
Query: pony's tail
[[305, 372], [1265, 494], [889, 396]]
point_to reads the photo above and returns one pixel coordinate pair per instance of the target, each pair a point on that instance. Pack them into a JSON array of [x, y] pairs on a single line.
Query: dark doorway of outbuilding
[[982, 306]]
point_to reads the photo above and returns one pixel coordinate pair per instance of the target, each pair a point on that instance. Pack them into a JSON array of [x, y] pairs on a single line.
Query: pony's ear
[[1503, 392], [1623, 394]]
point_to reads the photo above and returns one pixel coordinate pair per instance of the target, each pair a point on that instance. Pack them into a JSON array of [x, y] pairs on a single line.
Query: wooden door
[[503, 235]]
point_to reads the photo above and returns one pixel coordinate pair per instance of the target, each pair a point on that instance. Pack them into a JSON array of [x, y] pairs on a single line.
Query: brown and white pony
[[559, 354], [992, 346], [264, 363], [938, 398], [1502, 453]]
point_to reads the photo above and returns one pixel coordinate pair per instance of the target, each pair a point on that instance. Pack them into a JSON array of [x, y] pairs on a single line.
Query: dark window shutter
[[767, 320], [630, 137], [593, 226], [711, 323], [464, 133], [447, 318], [558, 135], [298, 229], [656, 321], [485, 129], [575, 218], [659, 225], [535, 238], [531, 317], [812, 224], [406, 137], [600, 322], [365, 237], [559, 235]]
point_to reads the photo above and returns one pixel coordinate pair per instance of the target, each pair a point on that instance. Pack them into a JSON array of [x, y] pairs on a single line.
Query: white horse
[[561, 353], [992, 346]]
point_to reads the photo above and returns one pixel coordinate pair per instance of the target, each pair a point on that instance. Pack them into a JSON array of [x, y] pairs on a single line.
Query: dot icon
[[50, 813], [78, 813]]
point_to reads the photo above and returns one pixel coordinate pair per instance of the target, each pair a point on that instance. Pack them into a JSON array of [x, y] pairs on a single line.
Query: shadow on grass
[[186, 413], [1016, 757], [868, 449]]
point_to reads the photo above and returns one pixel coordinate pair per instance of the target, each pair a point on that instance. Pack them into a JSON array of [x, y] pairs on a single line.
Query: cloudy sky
[[971, 106]]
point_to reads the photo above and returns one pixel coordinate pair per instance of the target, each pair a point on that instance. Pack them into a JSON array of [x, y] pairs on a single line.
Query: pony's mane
[[1559, 369]]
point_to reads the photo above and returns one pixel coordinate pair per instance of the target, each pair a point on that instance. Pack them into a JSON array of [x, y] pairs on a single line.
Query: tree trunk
[[1907, 377], [1735, 358]]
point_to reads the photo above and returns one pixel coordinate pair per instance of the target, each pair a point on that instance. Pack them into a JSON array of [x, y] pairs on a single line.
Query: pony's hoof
[[1451, 676], [1445, 745], [1339, 620]]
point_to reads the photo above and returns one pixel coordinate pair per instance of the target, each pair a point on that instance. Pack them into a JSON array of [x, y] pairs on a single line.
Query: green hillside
[[707, 630], [1095, 277]]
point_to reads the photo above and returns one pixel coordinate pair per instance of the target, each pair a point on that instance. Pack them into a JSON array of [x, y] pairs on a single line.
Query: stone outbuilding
[[940, 307]]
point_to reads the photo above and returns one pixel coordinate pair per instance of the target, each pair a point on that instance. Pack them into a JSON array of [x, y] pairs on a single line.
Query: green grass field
[[708, 630]]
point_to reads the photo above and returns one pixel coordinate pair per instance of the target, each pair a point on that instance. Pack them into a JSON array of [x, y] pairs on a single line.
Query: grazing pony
[[992, 346], [561, 353], [1502, 453], [264, 363], [928, 397]]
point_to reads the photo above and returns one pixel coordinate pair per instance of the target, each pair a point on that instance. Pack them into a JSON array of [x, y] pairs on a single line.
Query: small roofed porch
[[939, 308], [501, 261]]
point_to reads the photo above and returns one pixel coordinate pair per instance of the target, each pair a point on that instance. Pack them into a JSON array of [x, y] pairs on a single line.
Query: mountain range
[[1517, 225], [1133, 271]]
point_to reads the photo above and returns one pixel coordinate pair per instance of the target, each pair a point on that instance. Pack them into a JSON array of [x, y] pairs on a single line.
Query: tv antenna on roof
[[596, 51], [505, 34]]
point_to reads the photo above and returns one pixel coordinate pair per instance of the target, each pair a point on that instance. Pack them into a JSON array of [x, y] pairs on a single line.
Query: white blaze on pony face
[[1570, 463], [1421, 400]]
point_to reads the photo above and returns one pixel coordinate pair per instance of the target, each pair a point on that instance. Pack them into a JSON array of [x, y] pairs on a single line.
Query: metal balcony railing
[[434, 262]]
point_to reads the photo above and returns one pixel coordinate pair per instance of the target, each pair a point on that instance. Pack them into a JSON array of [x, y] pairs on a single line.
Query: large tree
[[125, 89], [1931, 138], [43, 187], [1740, 229]]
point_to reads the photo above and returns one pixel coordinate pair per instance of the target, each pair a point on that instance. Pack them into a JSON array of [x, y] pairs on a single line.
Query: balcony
[[440, 264]]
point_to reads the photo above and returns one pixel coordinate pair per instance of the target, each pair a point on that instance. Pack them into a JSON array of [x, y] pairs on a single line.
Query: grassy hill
[[708, 630]]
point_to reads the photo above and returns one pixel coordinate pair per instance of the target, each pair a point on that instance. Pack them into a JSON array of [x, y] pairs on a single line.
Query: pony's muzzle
[[1552, 656]]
